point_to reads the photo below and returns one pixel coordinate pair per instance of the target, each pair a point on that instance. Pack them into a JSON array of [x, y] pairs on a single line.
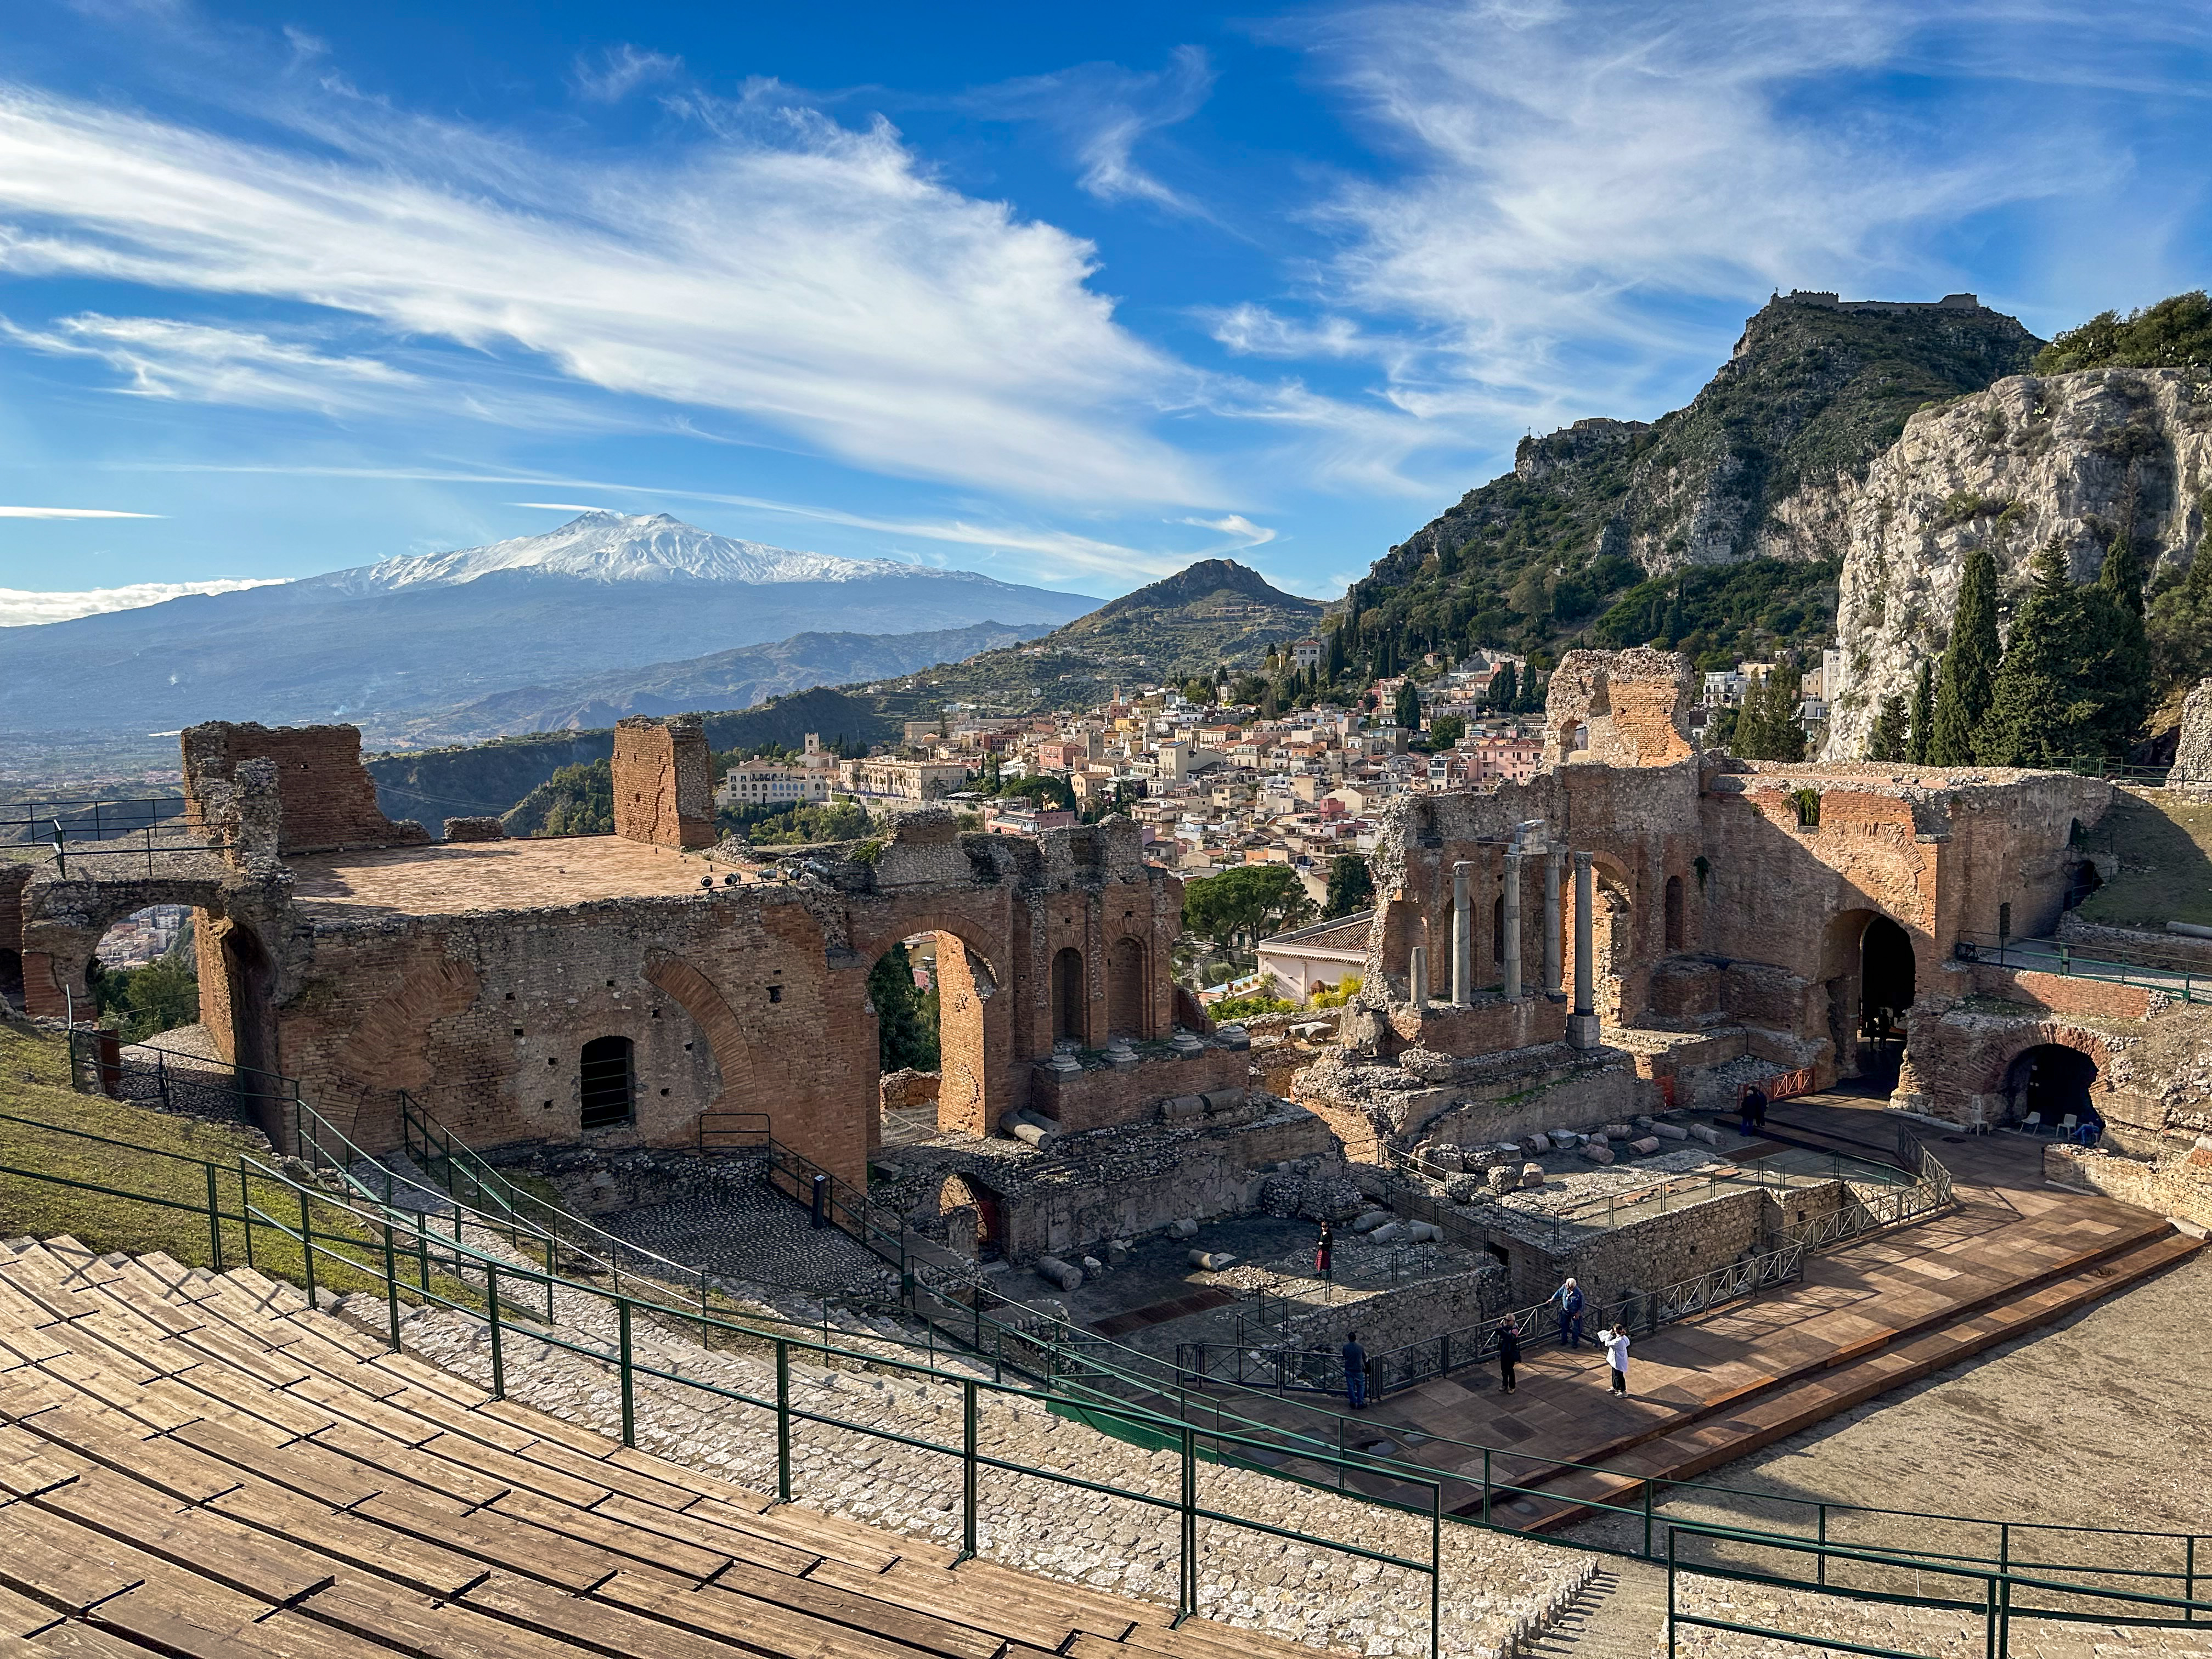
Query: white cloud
[[21, 609], [807, 276], [1236, 524], [1573, 178], [622, 71], [71, 513], [1101, 113], [197, 363], [1253, 331]]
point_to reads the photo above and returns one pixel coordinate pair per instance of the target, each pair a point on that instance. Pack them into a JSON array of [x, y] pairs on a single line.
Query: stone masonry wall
[[1101, 1096], [1630, 708], [663, 781], [2176, 1183], [327, 798]]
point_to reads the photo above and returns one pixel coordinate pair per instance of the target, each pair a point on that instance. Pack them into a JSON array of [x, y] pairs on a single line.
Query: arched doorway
[[2052, 1082], [143, 975], [609, 1080], [1675, 922], [1887, 978], [1068, 1024], [1127, 1006], [905, 995], [968, 1205]]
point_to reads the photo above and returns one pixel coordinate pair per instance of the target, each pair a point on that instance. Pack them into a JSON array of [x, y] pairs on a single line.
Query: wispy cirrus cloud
[[160, 357], [611, 75], [70, 512], [810, 278], [1102, 111]]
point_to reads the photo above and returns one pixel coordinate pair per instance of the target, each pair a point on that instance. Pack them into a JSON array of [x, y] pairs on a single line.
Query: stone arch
[[699, 997], [1618, 974], [388, 1048], [62, 923], [1129, 1000], [2006, 1083], [974, 1021], [968, 1206], [1867, 995]]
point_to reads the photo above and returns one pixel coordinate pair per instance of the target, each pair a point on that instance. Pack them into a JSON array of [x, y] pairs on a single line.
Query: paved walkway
[[1970, 1274]]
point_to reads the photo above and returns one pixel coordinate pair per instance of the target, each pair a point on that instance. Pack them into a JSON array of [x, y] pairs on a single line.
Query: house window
[[609, 1090]]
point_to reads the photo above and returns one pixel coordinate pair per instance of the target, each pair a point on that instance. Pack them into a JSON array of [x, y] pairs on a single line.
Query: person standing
[[1759, 1103], [1325, 1254], [1615, 1343], [1508, 1352], [1743, 1110], [1568, 1297], [1355, 1372]]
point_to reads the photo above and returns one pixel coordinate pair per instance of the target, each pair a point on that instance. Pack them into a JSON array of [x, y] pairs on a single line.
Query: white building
[[771, 783], [1306, 959]]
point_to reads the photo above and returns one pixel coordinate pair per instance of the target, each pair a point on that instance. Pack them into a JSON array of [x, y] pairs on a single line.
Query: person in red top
[[1324, 1253]]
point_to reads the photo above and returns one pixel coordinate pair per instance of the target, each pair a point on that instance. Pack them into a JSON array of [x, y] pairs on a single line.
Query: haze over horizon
[[1070, 301]]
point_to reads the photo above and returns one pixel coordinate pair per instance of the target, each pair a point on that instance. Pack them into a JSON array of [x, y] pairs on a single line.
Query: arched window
[[1126, 1001], [1068, 1021], [1673, 912], [610, 1093]]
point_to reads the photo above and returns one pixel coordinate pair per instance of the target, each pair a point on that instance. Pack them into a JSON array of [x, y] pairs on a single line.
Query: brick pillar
[[664, 783], [42, 991]]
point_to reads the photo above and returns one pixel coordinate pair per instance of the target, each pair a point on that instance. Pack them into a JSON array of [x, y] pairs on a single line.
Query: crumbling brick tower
[[664, 787]]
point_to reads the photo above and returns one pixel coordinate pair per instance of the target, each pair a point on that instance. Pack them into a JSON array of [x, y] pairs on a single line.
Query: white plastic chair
[[2032, 1124], [2067, 1125]]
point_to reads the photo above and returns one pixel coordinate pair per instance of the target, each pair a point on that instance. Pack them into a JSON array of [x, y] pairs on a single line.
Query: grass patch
[[35, 1084], [2164, 844]]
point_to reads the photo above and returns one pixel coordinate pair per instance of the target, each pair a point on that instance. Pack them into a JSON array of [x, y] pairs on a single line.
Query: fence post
[[1436, 1569], [1187, 1593], [1990, 1620], [307, 1245], [1823, 1557], [422, 1248], [245, 1209], [391, 1283], [1670, 1596], [968, 1470], [491, 1305], [1647, 1485], [1486, 1485], [215, 1219], [782, 1420], [628, 1398], [2189, 1579]]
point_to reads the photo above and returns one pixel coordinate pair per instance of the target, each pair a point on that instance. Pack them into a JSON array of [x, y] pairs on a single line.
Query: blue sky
[[1069, 295]]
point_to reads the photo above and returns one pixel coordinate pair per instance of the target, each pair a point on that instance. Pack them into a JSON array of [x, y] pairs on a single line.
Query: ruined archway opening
[[1886, 979], [143, 976], [2051, 1083], [974, 1217], [1068, 1024], [11, 978], [905, 994], [1676, 928], [608, 1080]]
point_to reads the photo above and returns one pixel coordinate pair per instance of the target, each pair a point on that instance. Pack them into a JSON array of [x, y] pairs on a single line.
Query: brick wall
[[2177, 1183], [1101, 1096], [663, 783], [327, 798], [2062, 994]]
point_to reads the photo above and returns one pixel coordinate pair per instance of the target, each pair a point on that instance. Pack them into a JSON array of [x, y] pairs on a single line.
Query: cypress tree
[[1886, 742], [1504, 688], [2042, 710], [1408, 710], [1967, 683], [2120, 673], [1922, 710], [1335, 653]]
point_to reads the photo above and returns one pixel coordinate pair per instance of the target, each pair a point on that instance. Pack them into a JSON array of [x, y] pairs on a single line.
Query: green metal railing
[[2185, 979], [454, 1274], [396, 1250]]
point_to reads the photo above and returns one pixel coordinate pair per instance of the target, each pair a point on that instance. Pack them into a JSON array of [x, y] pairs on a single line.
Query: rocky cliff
[[2079, 458]]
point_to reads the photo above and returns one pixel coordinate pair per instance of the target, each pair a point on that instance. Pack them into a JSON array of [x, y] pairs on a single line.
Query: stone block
[[1536, 1146], [1504, 1178], [1183, 1227], [1463, 1189], [1645, 1147], [1705, 1133], [1368, 1220], [1212, 1260], [463, 830], [1224, 1100], [1390, 1232], [1669, 1131], [1598, 1152], [1620, 1132], [1532, 1175]]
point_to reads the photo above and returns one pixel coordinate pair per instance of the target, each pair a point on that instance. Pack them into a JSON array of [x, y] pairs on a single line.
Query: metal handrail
[[2185, 978], [1249, 1444]]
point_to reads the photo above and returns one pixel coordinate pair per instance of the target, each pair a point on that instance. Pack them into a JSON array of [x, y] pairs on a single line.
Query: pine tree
[[1968, 677], [1922, 710], [903, 1036], [2042, 712], [1887, 741], [2181, 617], [1351, 886], [1768, 728]]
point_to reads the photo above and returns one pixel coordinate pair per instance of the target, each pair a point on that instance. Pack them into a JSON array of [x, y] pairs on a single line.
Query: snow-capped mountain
[[619, 547], [604, 593]]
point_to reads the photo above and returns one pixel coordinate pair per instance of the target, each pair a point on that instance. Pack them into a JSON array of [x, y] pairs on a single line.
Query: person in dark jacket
[[1508, 1352], [1355, 1372], [1325, 1254]]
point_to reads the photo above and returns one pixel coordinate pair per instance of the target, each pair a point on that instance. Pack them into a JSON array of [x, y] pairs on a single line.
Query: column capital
[[1583, 860]]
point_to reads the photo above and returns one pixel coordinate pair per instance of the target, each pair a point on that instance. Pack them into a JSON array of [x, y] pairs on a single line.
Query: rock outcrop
[[2077, 458]]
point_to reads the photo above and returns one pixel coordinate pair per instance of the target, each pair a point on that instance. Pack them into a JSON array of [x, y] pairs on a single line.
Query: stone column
[[1462, 935], [1420, 975], [1509, 946], [1552, 923], [1582, 1023]]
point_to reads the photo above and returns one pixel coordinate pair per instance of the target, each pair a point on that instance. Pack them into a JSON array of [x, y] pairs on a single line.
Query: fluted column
[[1462, 934]]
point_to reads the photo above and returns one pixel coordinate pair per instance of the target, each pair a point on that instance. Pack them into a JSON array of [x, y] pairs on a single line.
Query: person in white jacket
[[1615, 1344]]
